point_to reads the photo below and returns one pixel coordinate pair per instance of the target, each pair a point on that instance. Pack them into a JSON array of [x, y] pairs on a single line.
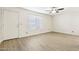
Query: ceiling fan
[[53, 10]]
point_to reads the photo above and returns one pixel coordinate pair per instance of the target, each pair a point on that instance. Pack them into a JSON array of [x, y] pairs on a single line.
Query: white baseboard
[[65, 33], [1, 41]]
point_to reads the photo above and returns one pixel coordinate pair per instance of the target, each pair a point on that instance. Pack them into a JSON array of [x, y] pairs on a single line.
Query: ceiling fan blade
[[47, 9], [61, 9]]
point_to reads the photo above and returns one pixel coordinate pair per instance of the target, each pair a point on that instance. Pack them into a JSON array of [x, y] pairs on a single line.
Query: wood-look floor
[[42, 42]]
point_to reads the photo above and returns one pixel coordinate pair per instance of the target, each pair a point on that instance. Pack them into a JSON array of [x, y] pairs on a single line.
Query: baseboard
[[27, 36], [36, 34], [65, 33]]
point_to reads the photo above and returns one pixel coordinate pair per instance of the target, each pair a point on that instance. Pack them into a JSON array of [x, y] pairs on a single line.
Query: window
[[33, 23]]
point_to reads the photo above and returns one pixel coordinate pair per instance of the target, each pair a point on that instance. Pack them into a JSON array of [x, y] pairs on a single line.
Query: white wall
[[67, 21], [46, 22]]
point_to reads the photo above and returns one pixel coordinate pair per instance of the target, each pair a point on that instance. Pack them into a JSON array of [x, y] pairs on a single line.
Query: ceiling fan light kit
[[54, 10]]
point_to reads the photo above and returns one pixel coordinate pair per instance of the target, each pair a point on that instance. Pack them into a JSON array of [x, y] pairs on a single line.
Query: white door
[[10, 21]]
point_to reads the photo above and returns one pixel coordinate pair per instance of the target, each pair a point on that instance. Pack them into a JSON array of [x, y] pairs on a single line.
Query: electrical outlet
[[72, 31]]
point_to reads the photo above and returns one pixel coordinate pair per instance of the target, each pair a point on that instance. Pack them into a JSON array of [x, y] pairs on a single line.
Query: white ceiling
[[39, 9], [44, 10]]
